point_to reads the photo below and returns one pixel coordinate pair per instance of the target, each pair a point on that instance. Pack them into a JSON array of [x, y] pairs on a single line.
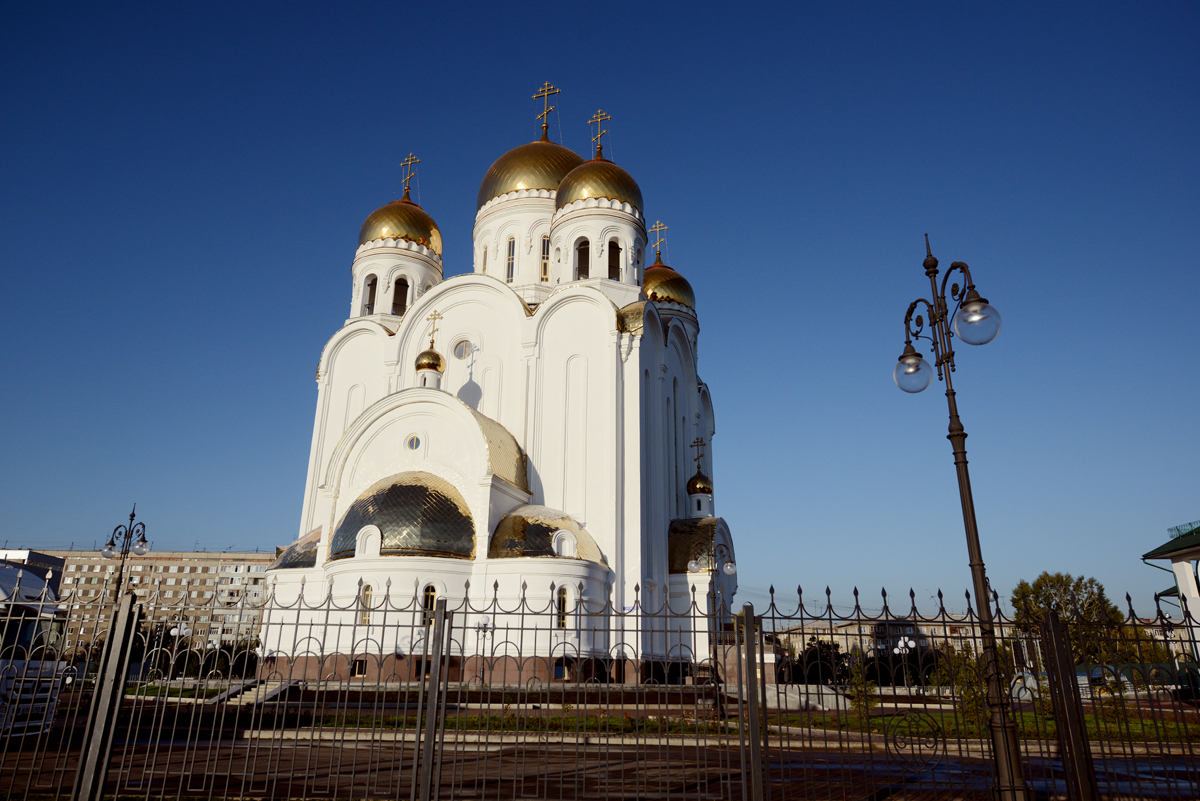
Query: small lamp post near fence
[[901, 650], [976, 323], [132, 539]]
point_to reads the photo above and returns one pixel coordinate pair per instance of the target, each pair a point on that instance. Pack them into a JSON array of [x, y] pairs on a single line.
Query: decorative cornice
[[517, 195], [396, 244], [599, 203]]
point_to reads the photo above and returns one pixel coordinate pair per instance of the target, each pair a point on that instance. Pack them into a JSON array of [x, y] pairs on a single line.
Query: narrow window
[[369, 306], [428, 602], [484, 268], [583, 259], [399, 295], [562, 607], [512, 256], [614, 261], [697, 504], [359, 670], [364, 605], [545, 258]]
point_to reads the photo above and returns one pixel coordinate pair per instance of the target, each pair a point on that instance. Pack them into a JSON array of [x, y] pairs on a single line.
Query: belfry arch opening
[[583, 258], [399, 296], [369, 289], [614, 261]]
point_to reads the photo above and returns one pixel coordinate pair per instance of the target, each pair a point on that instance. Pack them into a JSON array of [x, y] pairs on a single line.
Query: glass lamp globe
[[912, 373], [141, 547], [729, 568], [694, 566], [109, 550], [977, 322]]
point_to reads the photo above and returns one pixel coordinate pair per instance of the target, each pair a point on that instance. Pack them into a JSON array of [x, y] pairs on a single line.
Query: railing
[[486, 697]]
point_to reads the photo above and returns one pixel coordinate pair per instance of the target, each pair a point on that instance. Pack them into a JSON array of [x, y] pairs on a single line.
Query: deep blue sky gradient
[[184, 184]]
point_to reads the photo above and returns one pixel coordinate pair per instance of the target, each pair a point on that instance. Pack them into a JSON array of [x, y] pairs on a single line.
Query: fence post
[[1068, 711], [101, 727], [752, 703], [435, 707]]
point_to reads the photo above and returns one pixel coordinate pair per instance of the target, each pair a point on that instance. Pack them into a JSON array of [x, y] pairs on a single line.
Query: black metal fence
[[419, 698]]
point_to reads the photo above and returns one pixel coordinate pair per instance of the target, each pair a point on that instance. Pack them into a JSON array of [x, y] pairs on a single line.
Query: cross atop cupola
[[599, 118], [657, 230], [544, 93], [433, 318], [409, 172]]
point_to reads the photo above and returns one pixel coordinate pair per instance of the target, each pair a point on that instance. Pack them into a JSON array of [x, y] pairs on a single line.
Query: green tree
[[1093, 621], [864, 694], [963, 672]]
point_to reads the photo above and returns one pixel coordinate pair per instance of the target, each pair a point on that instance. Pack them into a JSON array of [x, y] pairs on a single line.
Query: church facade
[[519, 437]]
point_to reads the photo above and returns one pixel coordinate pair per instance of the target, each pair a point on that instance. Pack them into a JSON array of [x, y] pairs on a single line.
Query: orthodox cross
[[698, 444], [433, 318], [599, 118], [407, 166], [657, 229], [544, 93]]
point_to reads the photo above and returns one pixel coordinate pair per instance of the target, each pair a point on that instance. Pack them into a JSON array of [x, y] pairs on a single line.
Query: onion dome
[[663, 283], [598, 178], [430, 359], [699, 484], [402, 219], [537, 165]]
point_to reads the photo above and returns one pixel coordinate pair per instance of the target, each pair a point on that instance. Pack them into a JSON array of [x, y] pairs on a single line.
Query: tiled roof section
[[1185, 543], [301, 553], [688, 539], [505, 458]]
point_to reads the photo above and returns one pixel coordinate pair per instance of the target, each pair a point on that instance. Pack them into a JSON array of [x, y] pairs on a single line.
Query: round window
[[463, 349], [413, 443]]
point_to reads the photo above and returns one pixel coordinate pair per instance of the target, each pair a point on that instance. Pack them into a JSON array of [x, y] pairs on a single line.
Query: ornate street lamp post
[[132, 538], [976, 323]]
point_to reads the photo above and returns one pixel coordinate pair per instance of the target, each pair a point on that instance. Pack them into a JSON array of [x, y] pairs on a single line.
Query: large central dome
[[537, 165]]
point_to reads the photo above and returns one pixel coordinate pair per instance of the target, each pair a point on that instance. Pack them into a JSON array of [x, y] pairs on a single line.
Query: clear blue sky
[[184, 183]]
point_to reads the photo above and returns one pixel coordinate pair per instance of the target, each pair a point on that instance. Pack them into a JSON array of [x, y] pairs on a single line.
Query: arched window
[[545, 258], [614, 261], [428, 602], [364, 605], [509, 260], [369, 305], [561, 608], [483, 268], [399, 295], [582, 259]]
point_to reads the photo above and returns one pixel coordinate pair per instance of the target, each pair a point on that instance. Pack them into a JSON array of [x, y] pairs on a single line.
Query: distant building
[[218, 595], [43, 565]]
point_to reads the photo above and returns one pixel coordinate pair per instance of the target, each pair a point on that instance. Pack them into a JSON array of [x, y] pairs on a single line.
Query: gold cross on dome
[[657, 229], [599, 118], [407, 166], [433, 318], [544, 93], [698, 444]]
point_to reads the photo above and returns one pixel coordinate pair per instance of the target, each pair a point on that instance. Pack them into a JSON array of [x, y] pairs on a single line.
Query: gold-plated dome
[[663, 283], [699, 484], [537, 165], [598, 178], [418, 514], [528, 531], [430, 359], [402, 219]]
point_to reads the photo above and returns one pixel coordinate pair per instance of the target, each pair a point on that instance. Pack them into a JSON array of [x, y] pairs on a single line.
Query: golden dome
[[663, 283], [699, 484], [431, 360], [537, 165], [418, 514], [402, 219], [598, 178], [528, 531]]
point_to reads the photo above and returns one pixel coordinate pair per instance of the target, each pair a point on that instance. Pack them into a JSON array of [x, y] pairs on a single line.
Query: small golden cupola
[[700, 486], [661, 283], [430, 365]]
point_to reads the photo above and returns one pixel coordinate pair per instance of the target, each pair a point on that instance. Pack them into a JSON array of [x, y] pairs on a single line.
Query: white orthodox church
[[520, 435]]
